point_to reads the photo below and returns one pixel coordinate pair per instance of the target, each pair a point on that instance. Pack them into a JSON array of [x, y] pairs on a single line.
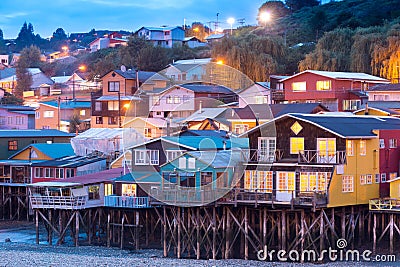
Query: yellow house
[[124, 160], [395, 188]]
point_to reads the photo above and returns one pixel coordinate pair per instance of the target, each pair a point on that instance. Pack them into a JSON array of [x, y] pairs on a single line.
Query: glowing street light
[[231, 21], [81, 68], [265, 17], [220, 62]]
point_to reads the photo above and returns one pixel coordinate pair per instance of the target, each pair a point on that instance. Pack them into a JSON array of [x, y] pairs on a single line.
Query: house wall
[[25, 155], [384, 96], [42, 122], [127, 86], [395, 189], [388, 158], [186, 102], [140, 124], [8, 120], [356, 165], [118, 163], [255, 94]]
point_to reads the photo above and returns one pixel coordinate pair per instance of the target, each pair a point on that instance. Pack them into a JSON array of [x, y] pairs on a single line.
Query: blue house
[[163, 36]]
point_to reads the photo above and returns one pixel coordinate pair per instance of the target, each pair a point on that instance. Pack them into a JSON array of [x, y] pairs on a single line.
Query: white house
[[163, 36], [258, 93]]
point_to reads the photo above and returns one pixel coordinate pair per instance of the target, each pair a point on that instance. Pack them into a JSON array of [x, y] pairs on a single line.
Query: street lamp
[[81, 68], [265, 17], [231, 21]]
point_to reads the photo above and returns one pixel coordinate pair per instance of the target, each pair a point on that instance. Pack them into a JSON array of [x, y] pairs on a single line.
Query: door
[[285, 186], [326, 150]]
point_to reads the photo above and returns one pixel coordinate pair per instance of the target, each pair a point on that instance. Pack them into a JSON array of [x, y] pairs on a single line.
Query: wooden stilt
[[214, 234], [137, 237], [228, 234], [108, 230], [37, 226], [284, 229], [76, 228], [179, 233], [165, 232], [374, 235], [198, 233], [391, 233], [122, 231], [246, 235], [50, 232], [90, 227]]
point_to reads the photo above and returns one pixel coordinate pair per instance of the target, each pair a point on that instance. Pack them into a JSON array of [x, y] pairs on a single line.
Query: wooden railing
[[260, 155], [322, 157], [382, 204], [126, 202], [57, 202]]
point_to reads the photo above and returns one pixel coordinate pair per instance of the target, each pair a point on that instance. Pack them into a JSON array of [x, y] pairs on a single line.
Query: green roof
[[209, 142], [139, 177], [70, 104]]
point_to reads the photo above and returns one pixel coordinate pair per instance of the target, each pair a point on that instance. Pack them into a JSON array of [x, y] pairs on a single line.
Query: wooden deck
[[384, 204], [58, 202]]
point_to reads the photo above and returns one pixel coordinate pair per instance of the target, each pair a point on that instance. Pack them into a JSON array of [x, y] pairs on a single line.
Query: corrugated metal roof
[[69, 161], [215, 36], [70, 104], [116, 98], [205, 113], [140, 177], [218, 159], [207, 88], [358, 76], [193, 61], [209, 142], [34, 133]]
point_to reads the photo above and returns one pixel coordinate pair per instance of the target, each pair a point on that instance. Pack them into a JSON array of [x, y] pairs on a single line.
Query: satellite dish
[[123, 68]]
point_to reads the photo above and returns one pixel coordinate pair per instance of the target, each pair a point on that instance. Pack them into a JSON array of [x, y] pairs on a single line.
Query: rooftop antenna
[[241, 21]]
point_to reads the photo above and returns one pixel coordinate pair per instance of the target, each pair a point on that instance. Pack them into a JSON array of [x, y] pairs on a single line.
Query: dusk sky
[[83, 15]]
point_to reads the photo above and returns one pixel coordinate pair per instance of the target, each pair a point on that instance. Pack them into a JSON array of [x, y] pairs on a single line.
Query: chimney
[[257, 122], [366, 109], [169, 120], [201, 107]]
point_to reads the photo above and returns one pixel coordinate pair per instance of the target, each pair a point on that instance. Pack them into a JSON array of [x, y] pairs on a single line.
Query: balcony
[[126, 202], [384, 204], [322, 157], [263, 156], [278, 95], [57, 202]]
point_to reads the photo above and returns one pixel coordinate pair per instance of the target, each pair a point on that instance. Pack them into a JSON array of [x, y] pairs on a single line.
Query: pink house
[[176, 100], [17, 117]]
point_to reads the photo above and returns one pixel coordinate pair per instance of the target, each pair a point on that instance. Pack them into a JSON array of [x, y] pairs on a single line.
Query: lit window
[[286, 181], [48, 114], [381, 143], [347, 183], [323, 85], [147, 132], [94, 192], [82, 112], [296, 145], [260, 181], [113, 105], [13, 145], [392, 143], [108, 189], [299, 86], [113, 86], [363, 147], [351, 104], [350, 147], [363, 179], [129, 190], [392, 176]]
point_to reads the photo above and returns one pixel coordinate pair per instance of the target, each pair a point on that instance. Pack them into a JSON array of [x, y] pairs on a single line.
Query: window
[[369, 178], [299, 86], [38, 172], [82, 112], [392, 176], [69, 173], [94, 192], [156, 100], [323, 85], [2, 120], [286, 181], [146, 157], [308, 181], [182, 163], [177, 99], [19, 120], [191, 163], [392, 143], [173, 154], [363, 179], [167, 32], [383, 177], [260, 181], [241, 128], [377, 178], [113, 86], [49, 172], [60, 173], [108, 189], [381, 143], [99, 120], [97, 106], [147, 132], [296, 145], [266, 149], [350, 147], [48, 114], [13, 145], [9, 120], [169, 100], [113, 105], [351, 104], [363, 147], [129, 190], [112, 120], [347, 183]]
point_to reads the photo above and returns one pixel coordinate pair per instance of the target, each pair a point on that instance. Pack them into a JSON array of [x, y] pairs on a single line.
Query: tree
[[74, 123], [3, 47], [296, 5], [25, 37], [30, 57], [277, 9], [130, 54], [58, 39], [199, 30], [152, 58]]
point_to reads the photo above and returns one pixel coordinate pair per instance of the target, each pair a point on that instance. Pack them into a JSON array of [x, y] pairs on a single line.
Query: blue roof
[[68, 104], [54, 150], [211, 133], [140, 177], [34, 133], [351, 126], [218, 159]]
